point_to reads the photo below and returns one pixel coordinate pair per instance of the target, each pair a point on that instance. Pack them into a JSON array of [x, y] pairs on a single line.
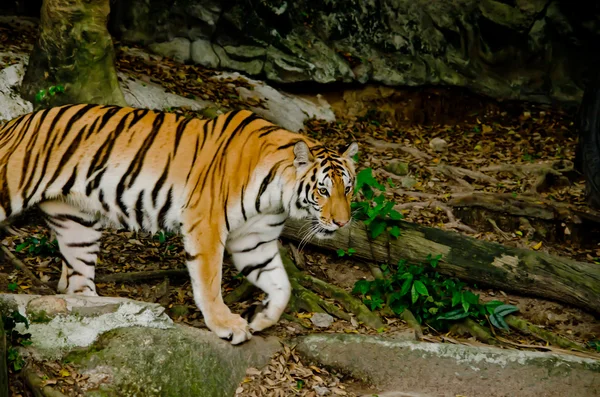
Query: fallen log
[[485, 263]]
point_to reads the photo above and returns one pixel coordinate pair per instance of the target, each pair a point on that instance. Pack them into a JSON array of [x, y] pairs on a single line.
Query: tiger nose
[[340, 223]]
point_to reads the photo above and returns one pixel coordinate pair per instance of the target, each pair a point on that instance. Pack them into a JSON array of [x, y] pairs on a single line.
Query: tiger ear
[[351, 150], [303, 154]]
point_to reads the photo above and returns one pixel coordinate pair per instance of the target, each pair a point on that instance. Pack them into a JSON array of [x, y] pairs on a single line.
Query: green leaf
[[341, 252], [406, 285], [21, 246], [398, 307], [420, 288], [377, 227], [470, 297], [414, 294], [456, 298], [12, 287], [504, 310], [453, 315], [465, 303], [498, 322], [351, 251], [374, 303], [361, 287], [395, 231], [395, 215]]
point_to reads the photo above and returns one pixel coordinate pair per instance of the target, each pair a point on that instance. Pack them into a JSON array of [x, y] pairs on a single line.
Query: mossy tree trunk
[[74, 50], [485, 263]]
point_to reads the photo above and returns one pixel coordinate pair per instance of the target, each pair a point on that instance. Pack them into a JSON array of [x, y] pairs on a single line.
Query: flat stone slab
[[409, 368]]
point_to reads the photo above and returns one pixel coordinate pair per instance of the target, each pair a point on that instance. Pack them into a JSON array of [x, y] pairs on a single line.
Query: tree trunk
[[75, 51], [487, 264]]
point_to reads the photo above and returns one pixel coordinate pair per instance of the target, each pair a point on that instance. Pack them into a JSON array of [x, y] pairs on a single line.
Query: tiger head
[[325, 185]]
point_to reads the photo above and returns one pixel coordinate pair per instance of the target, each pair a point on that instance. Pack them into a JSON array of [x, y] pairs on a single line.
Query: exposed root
[[453, 222], [460, 173], [382, 146], [468, 326], [501, 232], [44, 287], [37, 385], [411, 320], [527, 328], [139, 277], [243, 292]]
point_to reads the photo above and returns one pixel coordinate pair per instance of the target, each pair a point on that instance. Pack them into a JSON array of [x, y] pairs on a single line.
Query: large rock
[[130, 348], [408, 367], [532, 50]]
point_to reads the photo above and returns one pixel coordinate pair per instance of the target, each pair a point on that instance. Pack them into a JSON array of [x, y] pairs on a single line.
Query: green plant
[[371, 207], [348, 252], [38, 246], [163, 237], [12, 286], [594, 344], [43, 95], [430, 297], [14, 338]]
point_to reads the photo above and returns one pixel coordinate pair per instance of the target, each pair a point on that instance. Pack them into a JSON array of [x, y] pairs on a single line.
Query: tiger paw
[[231, 327], [261, 321]]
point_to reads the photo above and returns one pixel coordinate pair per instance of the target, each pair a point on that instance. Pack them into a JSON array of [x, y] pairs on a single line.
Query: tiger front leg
[[262, 266], [204, 253]]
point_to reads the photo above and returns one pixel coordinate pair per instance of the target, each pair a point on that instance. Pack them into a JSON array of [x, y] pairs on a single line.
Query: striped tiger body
[[226, 183]]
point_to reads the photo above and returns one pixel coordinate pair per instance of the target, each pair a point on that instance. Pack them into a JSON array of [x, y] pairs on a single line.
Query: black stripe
[[110, 112], [67, 186], [138, 114], [193, 159], [225, 212], [29, 148], [242, 204], [73, 218], [162, 214], [256, 246], [83, 244], [86, 262], [228, 119], [94, 183], [102, 202], [189, 257], [137, 163], [160, 182], [139, 209], [64, 159], [73, 119], [287, 145], [249, 269], [179, 132], [277, 224], [267, 131], [265, 183]]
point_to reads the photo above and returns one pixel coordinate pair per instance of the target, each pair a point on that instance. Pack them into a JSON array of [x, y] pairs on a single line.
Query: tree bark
[[487, 264], [75, 51]]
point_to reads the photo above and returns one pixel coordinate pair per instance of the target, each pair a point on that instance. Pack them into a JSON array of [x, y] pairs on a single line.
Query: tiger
[[225, 185]]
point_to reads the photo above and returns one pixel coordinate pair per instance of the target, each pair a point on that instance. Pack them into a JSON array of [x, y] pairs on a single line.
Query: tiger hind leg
[[78, 237], [257, 257]]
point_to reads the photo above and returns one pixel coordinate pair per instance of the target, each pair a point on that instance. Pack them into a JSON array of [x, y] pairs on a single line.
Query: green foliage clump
[[14, 338], [373, 208], [38, 246], [433, 299], [44, 95]]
